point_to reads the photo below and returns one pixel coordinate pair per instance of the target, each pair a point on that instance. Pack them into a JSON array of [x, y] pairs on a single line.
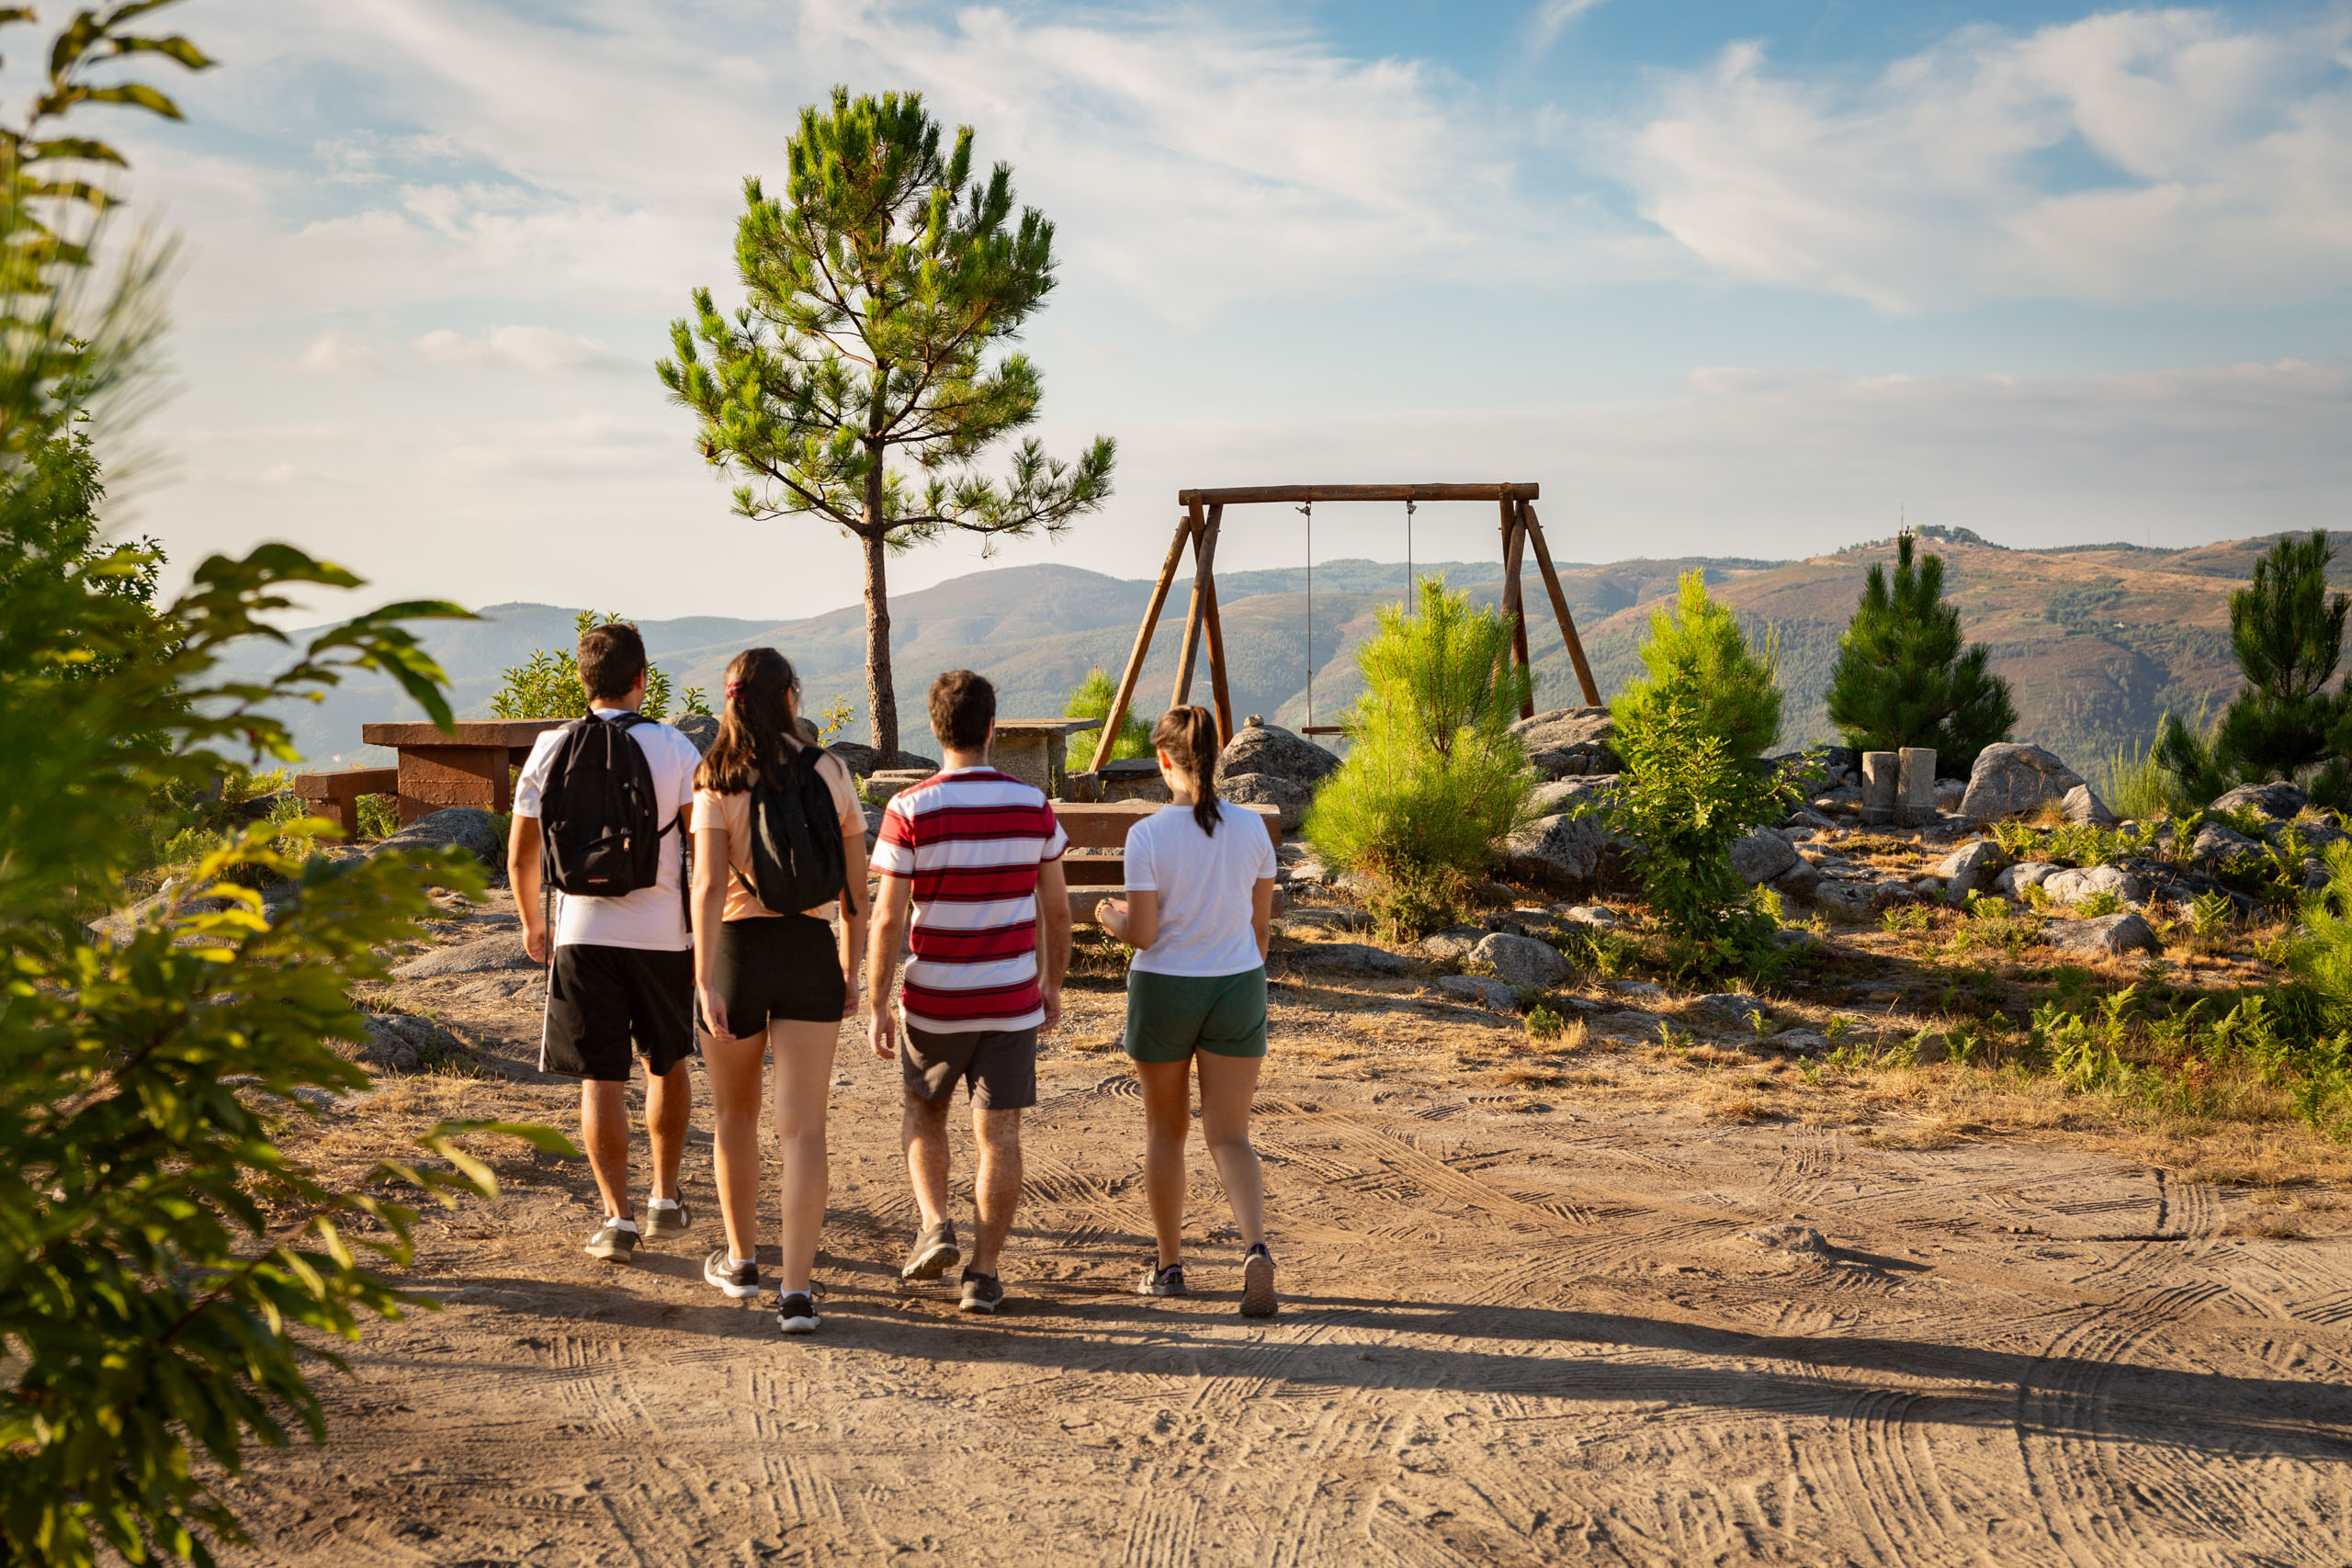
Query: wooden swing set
[[1203, 515]]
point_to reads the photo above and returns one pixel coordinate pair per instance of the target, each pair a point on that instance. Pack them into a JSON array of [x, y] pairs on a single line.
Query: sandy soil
[[1533, 1316]]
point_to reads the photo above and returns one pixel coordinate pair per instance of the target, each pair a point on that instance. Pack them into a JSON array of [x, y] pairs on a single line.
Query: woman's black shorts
[[778, 970]]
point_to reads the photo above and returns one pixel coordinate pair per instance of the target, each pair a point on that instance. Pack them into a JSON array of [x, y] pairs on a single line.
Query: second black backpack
[[798, 859], [602, 827]]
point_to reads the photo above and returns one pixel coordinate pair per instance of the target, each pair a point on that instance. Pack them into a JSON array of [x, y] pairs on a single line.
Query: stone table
[[1037, 750], [473, 766]]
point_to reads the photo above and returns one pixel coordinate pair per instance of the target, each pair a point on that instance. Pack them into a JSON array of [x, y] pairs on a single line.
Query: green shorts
[[1170, 1016]]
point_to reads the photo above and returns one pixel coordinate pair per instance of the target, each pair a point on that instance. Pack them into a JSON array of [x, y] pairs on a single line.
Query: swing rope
[[1409, 595], [1307, 511]]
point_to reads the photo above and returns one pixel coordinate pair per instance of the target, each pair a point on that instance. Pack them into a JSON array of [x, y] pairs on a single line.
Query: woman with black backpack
[[779, 838]]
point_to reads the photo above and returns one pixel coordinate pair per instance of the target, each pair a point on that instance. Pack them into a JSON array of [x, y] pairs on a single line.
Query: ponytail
[[1189, 736]]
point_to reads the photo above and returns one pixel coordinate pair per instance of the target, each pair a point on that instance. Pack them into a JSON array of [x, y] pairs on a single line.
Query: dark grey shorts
[[1000, 1064]]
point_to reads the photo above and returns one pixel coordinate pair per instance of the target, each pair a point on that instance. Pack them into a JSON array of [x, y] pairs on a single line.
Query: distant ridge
[[2099, 640]]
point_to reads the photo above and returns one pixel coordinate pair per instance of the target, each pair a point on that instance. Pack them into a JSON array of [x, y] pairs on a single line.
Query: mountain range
[[2097, 642]]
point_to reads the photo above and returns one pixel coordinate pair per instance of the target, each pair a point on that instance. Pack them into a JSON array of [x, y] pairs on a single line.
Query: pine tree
[[875, 292], [2288, 632], [1698, 659], [1904, 677]]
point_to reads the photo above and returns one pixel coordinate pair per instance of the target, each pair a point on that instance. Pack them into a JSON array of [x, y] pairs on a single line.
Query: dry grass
[[1526, 1075], [1738, 1099], [1717, 1056], [1940, 1134], [2265, 1227]]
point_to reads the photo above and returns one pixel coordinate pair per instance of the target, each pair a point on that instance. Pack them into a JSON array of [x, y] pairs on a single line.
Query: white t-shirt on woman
[[1205, 885]]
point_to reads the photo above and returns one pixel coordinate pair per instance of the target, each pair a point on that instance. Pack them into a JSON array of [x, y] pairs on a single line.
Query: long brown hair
[[1189, 737], [757, 733]]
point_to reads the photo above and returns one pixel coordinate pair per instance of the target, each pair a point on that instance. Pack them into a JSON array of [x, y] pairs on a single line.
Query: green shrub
[[1697, 655], [2018, 841], [1902, 677], [2210, 919], [1543, 1023], [1435, 783], [1091, 698], [169, 1275], [2138, 787], [547, 685], [380, 817], [833, 720], [1684, 800], [2105, 901]]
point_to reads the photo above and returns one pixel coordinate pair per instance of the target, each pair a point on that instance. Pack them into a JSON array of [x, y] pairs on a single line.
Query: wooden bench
[[1096, 866], [337, 795]]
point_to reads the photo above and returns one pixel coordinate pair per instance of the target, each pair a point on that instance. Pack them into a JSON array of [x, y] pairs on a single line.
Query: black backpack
[[602, 827], [799, 858]]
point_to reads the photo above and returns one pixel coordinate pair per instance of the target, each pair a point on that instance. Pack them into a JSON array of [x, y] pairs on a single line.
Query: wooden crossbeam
[[1244, 495]]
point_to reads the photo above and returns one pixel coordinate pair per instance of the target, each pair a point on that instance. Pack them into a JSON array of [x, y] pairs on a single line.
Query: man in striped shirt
[[978, 855]]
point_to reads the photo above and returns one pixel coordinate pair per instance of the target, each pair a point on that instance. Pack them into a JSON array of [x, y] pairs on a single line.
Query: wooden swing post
[[1533, 529], [1133, 672], [1514, 599]]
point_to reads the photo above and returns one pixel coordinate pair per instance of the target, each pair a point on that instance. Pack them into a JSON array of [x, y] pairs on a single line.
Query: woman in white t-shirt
[[771, 978], [1200, 899]]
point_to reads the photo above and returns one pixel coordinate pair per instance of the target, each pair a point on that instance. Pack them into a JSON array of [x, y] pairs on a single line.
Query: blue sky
[[1725, 278]]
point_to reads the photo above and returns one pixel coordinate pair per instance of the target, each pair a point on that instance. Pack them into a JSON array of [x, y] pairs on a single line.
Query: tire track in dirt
[[2065, 1435]]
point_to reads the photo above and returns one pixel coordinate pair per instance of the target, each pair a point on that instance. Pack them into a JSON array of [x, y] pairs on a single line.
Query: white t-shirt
[[651, 918], [1204, 887]]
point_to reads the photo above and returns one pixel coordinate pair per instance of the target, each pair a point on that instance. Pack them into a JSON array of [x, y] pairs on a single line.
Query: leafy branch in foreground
[[168, 1269]]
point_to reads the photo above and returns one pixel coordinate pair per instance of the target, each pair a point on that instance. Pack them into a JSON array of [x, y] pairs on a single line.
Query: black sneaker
[[982, 1292], [612, 1242], [933, 1254], [662, 1223], [741, 1282], [1167, 1281], [1258, 1283], [797, 1313]]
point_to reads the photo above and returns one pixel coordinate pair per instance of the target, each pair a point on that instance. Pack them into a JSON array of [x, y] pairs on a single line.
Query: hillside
[[2099, 641]]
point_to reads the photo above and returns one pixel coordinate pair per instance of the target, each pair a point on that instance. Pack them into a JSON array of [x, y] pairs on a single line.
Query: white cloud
[[1190, 157], [540, 350], [339, 353], [2134, 155], [1552, 17]]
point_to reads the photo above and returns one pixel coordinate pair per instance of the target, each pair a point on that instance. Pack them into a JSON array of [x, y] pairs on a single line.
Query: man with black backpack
[[602, 812]]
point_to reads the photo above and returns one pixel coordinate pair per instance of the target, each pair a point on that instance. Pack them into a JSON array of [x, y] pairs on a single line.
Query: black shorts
[[778, 970], [1000, 1064], [601, 998]]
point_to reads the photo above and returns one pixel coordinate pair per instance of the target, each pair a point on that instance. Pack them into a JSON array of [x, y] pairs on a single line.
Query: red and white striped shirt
[[971, 841]]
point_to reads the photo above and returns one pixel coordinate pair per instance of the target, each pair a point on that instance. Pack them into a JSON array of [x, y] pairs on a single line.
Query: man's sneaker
[[1167, 1281], [663, 1221], [615, 1241], [982, 1292], [934, 1253], [1258, 1283], [739, 1281], [796, 1313]]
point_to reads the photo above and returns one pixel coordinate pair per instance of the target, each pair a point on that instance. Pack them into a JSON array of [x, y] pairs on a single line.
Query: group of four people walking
[[968, 872]]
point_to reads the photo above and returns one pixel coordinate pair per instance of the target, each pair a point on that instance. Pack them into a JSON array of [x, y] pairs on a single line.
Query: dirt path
[[1510, 1334]]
